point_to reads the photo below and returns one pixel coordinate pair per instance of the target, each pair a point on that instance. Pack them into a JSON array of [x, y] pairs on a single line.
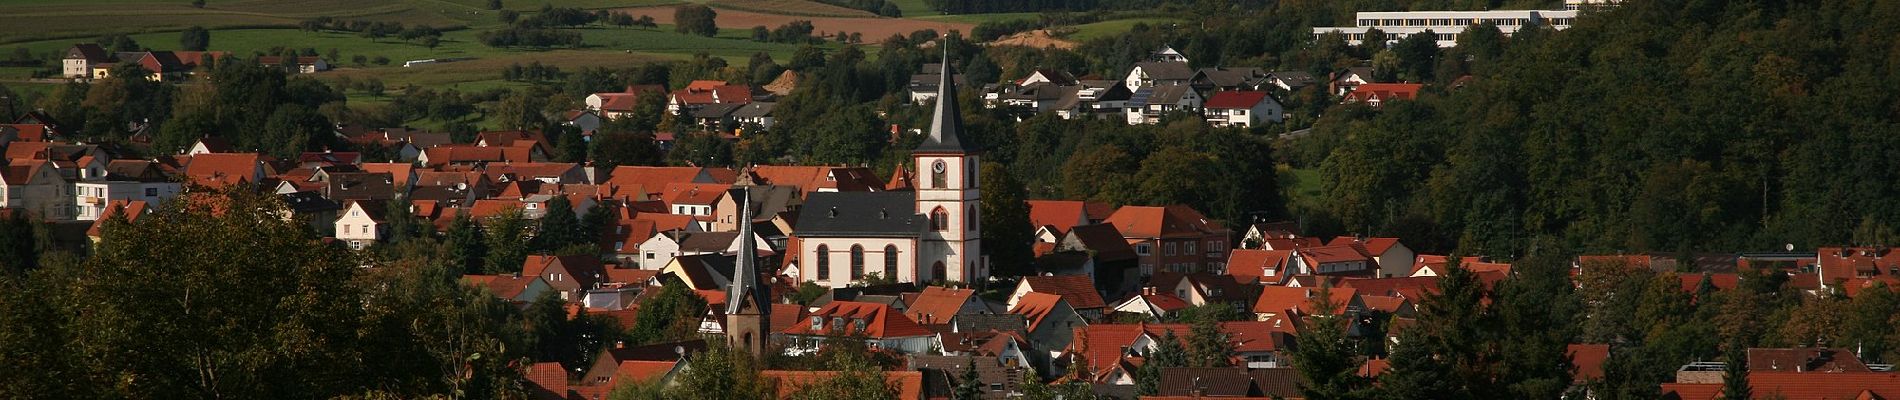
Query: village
[[1376, 212]]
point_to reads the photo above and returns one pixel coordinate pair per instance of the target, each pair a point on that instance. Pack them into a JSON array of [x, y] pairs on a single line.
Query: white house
[[121, 180], [36, 187], [1242, 108], [361, 224], [1148, 104]]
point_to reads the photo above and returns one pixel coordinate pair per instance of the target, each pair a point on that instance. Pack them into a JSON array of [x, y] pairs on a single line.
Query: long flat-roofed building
[[1445, 25]]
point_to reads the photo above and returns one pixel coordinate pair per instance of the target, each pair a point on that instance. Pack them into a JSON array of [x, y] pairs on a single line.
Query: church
[[930, 234]]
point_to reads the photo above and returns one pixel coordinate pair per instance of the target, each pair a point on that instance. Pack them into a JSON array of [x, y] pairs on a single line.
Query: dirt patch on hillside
[[1040, 38], [873, 29]]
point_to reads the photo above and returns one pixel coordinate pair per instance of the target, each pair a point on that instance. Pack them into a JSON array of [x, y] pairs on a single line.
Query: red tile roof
[[1175, 221], [655, 179], [217, 170], [1332, 254], [1078, 290], [1841, 263], [698, 194], [1588, 359], [1282, 300], [810, 179], [1383, 92], [1407, 287], [1253, 265], [880, 321], [640, 371], [1692, 391], [937, 304], [1102, 344], [1388, 304], [1035, 307], [1375, 246], [1061, 214], [1235, 99], [547, 381], [132, 210]]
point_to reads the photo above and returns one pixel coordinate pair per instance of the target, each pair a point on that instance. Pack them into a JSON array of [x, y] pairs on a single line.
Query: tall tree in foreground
[[1446, 354], [1534, 313], [1325, 357], [251, 305], [969, 384], [1006, 230], [1735, 372]]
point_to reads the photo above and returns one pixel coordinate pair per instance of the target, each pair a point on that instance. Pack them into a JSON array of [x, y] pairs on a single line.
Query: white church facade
[[931, 234]]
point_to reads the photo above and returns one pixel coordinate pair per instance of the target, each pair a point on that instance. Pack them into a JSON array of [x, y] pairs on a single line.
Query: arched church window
[[890, 262], [857, 262], [824, 263]]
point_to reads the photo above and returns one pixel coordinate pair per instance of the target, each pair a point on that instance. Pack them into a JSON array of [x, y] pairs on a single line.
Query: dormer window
[[817, 323], [859, 324], [837, 323], [533, 206]]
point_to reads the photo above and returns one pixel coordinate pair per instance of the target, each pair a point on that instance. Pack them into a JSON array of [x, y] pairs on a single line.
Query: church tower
[[748, 304], [946, 186]]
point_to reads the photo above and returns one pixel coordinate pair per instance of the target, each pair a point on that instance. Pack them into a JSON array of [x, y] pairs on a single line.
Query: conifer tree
[[1324, 355]]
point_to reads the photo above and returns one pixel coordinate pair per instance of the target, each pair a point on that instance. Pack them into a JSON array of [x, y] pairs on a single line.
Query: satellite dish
[[1788, 247]]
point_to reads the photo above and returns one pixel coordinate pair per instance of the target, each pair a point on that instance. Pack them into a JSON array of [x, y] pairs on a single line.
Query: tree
[[1167, 354], [1443, 356], [614, 148], [969, 384], [1534, 311], [292, 129], [857, 378], [468, 249], [403, 224], [219, 328], [1325, 357], [1005, 221], [19, 244], [560, 227], [1735, 372], [1208, 346], [672, 314], [198, 3], [195, 38], [695, 19], [507, 241], [494, 4], [720, 373]]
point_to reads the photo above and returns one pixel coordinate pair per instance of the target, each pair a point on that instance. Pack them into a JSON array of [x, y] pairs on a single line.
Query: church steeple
[[748, 305], [946, 123]]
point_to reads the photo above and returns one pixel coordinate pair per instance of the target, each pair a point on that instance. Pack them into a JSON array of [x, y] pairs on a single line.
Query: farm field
[[874, 29], [26, 20], [790, 7], [913, 8], [973, 19]]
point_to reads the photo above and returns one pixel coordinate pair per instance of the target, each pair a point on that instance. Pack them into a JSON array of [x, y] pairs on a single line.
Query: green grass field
[[914, 8], [1087, 32]]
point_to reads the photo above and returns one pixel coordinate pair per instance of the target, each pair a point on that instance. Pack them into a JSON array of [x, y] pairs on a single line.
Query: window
[[939, 220], [858, 324], [970, 177], [151, 192], [890, 262], [857, 262], [817, 323], [824, 262], [1143, 249], [970, 219], [649, 255], [1170, 248], [619, 245], [937, 272], [938, 179], [1191, 247]]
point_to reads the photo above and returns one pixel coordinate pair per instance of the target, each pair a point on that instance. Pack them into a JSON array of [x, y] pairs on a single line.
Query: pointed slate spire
[[745, 280], [946, 124]]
